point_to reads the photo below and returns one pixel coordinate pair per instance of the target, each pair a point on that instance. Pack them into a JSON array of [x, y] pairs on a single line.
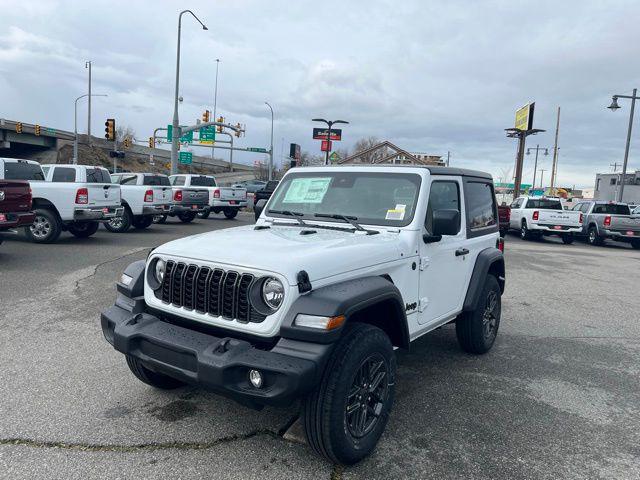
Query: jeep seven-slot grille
[[209, 290]]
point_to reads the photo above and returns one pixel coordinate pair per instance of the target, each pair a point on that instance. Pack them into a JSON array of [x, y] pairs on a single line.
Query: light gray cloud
[[429, 76]]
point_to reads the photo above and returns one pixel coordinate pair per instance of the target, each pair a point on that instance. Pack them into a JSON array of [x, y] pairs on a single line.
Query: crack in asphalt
[[102, 264]]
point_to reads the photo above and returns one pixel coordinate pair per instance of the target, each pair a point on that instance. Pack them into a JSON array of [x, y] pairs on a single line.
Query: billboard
[[524, 117], [294, 151], [322, 133]]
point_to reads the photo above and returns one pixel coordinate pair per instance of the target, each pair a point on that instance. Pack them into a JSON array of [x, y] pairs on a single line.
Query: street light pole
[[614, 106], [75, 125], [329, 123], [270, 148], [88, 65], [215, 103], [535, 166], [542, 170], [175, 134]]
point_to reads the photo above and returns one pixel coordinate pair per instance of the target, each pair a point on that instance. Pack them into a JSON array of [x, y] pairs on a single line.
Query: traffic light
[[110, 129], [127, 142], [152, 142], [37, 129], [18, 127], [205, 116], [219, 127], [239, 129]]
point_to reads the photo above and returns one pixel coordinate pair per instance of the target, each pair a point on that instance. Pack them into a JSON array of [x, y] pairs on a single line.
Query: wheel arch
[[490, 261], [371, 300], [43, 203]]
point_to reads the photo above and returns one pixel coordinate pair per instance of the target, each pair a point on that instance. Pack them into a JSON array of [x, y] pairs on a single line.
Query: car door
[[443, 267]]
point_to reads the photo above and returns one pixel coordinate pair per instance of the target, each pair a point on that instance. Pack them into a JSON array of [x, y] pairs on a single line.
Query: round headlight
[[273, 293], [158, 270]]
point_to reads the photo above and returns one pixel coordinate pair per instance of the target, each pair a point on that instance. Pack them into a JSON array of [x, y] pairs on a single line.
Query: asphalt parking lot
[[557, 397]]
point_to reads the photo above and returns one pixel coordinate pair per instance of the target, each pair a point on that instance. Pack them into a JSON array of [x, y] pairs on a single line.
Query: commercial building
[[608, 185]]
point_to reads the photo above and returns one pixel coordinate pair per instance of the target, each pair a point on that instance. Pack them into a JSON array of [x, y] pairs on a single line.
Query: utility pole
[[448, 157], [271, 148], [615, 166], [554, 165], [215, 103], [88, 65], [542, 170]]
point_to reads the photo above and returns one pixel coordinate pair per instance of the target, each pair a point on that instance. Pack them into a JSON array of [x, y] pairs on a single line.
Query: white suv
[[344, 265]]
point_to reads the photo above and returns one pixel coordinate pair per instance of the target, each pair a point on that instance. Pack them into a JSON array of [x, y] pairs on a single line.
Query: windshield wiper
[[346, 218], [289, 213]]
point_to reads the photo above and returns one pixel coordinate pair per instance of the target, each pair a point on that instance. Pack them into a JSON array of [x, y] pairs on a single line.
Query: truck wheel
[[83, 229], [567, 238], [347, 413], [141, 223], [593, 238], [477, 330], [159, 219], [155, 379], [525, 234], [230, 213], [120, 224], [186, 217], [46, 227], [205, 214], [634, 243], [503, 232]]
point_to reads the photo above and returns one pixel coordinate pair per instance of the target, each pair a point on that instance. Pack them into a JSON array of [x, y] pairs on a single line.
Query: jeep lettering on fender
[[354, 262]]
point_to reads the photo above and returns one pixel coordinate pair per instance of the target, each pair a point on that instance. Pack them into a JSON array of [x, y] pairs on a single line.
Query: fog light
[[255, 377]]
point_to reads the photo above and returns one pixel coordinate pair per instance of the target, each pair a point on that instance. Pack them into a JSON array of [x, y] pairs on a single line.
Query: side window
[[444, 195], [177, 181], [64, 174], [481, 205]]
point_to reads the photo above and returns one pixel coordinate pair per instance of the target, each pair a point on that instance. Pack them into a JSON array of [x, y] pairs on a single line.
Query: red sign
[[325, 146], [322, 133]]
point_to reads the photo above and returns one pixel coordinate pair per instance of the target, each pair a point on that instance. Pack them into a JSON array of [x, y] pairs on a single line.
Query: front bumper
[[97, 213], [220, 364], [228, 203], [559, 229], [16, 219]]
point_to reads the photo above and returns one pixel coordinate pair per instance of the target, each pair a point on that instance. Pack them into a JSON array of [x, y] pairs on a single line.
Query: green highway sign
[[186, 138], [208, 134], [259, 150], [186, 158]]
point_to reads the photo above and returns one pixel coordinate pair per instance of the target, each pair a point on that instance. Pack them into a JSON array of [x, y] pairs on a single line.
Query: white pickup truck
[[65, 197], [144, 196], [221, 199], [534, 217]]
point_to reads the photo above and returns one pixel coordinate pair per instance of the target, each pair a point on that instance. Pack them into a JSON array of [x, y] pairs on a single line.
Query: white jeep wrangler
[[344, 265]]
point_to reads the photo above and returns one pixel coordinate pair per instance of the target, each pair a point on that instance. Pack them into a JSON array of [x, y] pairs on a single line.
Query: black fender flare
[[488, 260], [347, 298]]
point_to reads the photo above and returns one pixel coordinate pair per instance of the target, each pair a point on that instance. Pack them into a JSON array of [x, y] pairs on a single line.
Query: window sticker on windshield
[[307, 190], [396, 213]]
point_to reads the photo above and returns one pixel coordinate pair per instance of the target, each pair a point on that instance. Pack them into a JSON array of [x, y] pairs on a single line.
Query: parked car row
[[49, 199], [593, 220]]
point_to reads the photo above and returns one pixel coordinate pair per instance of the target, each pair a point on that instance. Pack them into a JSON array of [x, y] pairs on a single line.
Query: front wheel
[[230, 213], [46, 227], [593, 238], [186, 217], [525, 234], [83, 229], [477, 330], [567, 238], [347, 413], [205, 214]]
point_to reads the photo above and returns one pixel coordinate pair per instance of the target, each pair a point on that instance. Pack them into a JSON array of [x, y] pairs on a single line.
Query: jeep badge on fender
[[316, 312]]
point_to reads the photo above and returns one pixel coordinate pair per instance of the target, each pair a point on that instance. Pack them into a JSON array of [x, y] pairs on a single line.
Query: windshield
[[372, 198], [611, 208], [22, 171], [203, 182]]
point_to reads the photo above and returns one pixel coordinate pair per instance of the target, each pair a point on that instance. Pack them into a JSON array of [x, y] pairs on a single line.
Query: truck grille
[[209, 290]]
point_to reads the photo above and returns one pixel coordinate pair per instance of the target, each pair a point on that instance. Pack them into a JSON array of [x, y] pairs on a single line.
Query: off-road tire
[[83, 229], [567, 238], [327, 427], [205, 214], [141, 223], [476, 331], [46, 227], [230, 213], [186, 217], [593, 238], [120, 224], [155, 379], [160, 219]]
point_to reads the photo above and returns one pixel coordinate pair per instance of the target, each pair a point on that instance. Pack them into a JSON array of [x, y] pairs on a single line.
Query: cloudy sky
[[429, 76]]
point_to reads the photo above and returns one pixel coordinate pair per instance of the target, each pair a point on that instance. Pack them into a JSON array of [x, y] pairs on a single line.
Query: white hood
[[283, 250]]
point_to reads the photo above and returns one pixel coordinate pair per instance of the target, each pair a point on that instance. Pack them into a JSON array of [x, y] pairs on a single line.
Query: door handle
[[461, 251]]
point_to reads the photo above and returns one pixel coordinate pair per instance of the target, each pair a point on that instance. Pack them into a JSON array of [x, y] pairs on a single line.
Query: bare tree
[[123, 132], [366, 143], [309, 160]]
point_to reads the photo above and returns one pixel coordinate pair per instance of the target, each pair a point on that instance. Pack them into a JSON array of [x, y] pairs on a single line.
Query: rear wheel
[[205, 214], [525, 234], [230, 213], [46, 227], [83, 229], [186, 217], [503, 232], [347, 413], [155, 379], [592, 236], [477, 330], [635, 244], [142, 222], [120, 224], [567, 238]]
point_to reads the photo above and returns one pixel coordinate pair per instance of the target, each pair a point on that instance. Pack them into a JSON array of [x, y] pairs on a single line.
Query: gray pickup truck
[[611, 220], [186, 204]]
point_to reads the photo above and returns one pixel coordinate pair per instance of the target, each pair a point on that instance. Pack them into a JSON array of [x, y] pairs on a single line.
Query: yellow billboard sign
[[524, 117]]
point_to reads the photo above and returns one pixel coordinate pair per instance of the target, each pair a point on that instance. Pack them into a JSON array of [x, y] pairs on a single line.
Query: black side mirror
[[445, 222], [258, 207]]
